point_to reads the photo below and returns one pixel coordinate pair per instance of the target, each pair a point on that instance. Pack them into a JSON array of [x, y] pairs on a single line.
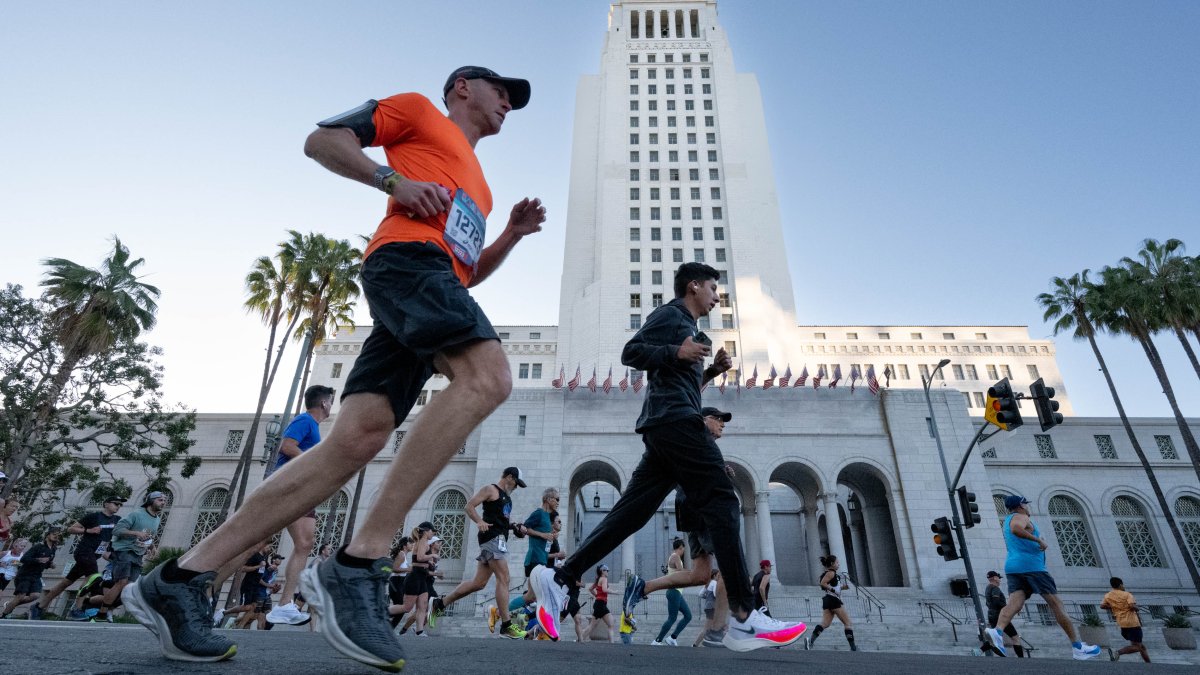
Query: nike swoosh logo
[[749, 631]]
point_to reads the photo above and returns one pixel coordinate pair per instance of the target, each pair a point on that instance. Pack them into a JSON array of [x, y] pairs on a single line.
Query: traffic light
[[968, 507], [943, 536], [1001, 407], [1045, 405]]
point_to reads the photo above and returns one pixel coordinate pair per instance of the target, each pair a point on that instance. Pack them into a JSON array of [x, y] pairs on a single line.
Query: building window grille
[[233, 441], [1070, 529], [1187, 509], [1166, 447], [210, 510], [521, 419], [998, 499], [990, 453], [1104, 444], [1135, 533], [450, 520], [1045, 446]]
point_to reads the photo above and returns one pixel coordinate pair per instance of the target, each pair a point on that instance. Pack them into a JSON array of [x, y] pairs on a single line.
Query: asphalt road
[[47, 648]]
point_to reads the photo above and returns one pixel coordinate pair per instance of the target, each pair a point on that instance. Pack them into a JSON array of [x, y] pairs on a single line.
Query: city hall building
[[671, 164]]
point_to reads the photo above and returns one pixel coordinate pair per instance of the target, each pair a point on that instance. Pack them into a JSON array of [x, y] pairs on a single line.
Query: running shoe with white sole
[[1084, 651], [493, 616], [714, 638], [351, 606], [671, 641], [513, 632], [179, 615], [551, 598], [997, 639], [289, 614], [436, 611], [760, 630], [633, 593]]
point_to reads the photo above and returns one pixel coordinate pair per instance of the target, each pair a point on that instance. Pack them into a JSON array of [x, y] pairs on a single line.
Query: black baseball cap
[[516, 474], [115, 499], [518, 89], [994, 573], [713, 412]]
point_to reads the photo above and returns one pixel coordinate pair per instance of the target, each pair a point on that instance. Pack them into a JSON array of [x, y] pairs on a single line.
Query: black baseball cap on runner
[[713, 412], [518, 89]]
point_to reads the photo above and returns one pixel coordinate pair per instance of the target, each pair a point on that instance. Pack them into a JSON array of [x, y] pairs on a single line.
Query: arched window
[[208, 512], [1071, 531], [331, 522], [1135, 533], [998, 502], [1187, 509], [450, 521]]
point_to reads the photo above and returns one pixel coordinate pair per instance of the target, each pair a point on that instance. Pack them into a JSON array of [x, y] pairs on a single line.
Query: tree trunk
[[352, 517], [1187, 348], [1180, 542], [1189, 441]]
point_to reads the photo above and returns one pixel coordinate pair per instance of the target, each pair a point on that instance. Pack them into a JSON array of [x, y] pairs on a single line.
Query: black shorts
[[831, 603], [396, 589], [249, 597], [1031, 582], [1133, 634], [416, 582], [420, 309], [27, 585], [4, 582], [572, 606], [600, 609], [85, 566]]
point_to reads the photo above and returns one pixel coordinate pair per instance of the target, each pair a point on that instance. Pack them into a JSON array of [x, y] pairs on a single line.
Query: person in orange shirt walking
[[1123, 606]]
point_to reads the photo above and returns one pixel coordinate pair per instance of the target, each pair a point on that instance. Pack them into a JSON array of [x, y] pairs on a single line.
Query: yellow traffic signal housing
[[1001, 406]]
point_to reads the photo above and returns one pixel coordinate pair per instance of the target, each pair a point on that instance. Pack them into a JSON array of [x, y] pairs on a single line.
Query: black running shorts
[[420, 309], [85, 566]]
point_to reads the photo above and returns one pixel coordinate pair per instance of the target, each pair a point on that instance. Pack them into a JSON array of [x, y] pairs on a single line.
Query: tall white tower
[[670, 164]]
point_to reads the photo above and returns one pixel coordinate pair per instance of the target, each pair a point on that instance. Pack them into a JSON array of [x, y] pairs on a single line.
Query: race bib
[[501, 545], [548, 546], [100, 550], [465, 229]]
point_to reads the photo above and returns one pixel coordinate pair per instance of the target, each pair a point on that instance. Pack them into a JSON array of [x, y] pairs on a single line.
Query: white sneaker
[[1084, 651], [760, 630], [997, 639], [217, 616], [671, 641], [288, 614], [656, 643], [551, 599]]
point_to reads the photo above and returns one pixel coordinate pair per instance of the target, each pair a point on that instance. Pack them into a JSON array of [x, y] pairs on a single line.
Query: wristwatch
[[382, 173]]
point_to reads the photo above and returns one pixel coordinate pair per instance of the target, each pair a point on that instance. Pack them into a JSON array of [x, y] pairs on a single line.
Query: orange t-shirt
[[425, 146], [1121, 603]]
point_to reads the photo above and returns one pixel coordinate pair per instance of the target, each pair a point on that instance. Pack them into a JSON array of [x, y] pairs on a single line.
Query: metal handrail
[[954, 621], [860, 591]]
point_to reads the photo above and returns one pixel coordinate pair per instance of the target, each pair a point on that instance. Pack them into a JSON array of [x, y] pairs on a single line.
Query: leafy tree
[[80, 393], [1071, 305]]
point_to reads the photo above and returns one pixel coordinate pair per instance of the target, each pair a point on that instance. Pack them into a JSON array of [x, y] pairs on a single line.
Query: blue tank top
[[1023, 555]]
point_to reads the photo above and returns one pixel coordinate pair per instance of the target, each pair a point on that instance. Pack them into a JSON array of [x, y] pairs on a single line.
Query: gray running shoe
[[714, 638], [180, 615], [633, 593], [351, 605]]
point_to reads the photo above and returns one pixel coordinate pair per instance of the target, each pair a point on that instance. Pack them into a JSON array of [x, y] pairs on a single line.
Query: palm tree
[[269, 294], [1168, 281], [1071, 306], [1123, 306], [93, 310]]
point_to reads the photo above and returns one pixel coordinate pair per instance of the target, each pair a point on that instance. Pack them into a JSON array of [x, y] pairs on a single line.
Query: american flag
[[854, 375], [557, 382], [574, 380], [721, 387], [837, 375], [592, 382], [819, 376], [803, 377], [753, 377], [872, 382], [608, 381], [624, 383], [770, 381], [787, 376], [637, 382]]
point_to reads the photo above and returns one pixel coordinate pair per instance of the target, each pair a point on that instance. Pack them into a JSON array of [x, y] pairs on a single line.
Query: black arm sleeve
[[360, 120]]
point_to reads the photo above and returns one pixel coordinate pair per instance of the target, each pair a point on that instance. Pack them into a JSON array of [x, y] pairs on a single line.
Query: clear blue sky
[[922, 151]]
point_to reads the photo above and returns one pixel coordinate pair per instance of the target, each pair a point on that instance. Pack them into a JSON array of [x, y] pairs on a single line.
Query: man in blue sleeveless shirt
[[1025, 568]]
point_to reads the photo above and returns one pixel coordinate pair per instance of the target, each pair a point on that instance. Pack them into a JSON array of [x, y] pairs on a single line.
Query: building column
[[833, 527], [750, 541], [766, 538], [812, 524], [857, 538]]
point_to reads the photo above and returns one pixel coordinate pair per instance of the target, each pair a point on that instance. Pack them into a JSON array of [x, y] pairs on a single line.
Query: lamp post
[[958, 528], [273, 429]]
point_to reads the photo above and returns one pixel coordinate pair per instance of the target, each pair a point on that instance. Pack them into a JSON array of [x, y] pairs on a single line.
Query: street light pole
[[958, 528]]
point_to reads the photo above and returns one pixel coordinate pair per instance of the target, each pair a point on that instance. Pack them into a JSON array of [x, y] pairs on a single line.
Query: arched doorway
[[795, 516], [594, 486], [871, 546]]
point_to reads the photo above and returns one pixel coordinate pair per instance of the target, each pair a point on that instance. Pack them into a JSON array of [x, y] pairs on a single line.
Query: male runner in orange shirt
[[426, 253]]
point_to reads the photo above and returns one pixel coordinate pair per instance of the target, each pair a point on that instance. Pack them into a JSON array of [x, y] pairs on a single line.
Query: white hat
[[435, 540]]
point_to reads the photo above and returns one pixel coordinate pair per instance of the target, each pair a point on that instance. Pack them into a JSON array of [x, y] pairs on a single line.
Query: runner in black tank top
[[493, 527]]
